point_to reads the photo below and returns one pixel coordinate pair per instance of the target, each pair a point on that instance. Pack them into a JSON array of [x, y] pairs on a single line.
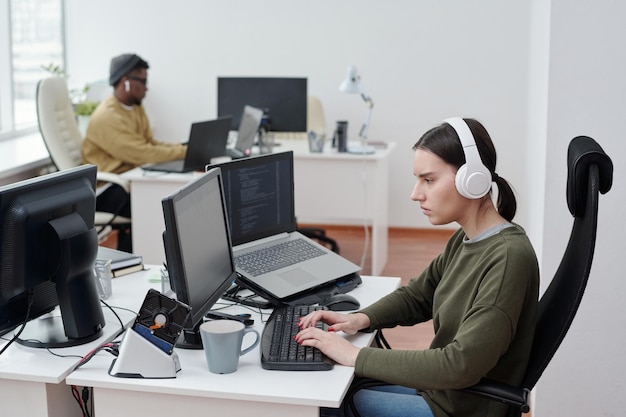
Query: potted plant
[[83, 108]]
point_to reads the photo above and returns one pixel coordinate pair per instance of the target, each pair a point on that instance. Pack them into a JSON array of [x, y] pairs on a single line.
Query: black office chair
[[319, 234], [590, 171]]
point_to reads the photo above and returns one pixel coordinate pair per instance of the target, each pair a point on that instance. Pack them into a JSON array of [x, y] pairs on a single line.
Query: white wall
[[536, 74], [586, 97], [421, 62]]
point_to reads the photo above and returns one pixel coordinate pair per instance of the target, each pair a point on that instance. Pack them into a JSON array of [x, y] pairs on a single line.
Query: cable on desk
[[251, 300], [111, 347], [231, 302], [122, 327], [31, 299]]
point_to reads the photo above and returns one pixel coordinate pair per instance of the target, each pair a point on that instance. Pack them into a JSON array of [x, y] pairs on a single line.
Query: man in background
[[119, 137]]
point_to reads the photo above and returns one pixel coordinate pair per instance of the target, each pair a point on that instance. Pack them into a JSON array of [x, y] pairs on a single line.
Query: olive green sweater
[[119, 139], [482, 298]]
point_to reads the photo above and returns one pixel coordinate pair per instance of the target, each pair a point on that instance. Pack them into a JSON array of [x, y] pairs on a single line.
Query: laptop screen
[[259, 193], [248, 128]]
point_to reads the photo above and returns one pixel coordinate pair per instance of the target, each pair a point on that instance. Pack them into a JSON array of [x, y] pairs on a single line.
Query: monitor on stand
[[283, 100], [198, 249], [48, 246]]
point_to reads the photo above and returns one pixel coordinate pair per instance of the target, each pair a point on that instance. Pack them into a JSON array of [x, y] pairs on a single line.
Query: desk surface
[[250, 383], [300, 149], [39, 365]]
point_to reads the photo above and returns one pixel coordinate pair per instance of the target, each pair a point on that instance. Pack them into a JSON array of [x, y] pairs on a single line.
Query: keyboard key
[[281, 255]]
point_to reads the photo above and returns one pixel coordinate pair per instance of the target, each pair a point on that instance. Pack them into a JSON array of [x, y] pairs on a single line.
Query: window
[[31, 37]]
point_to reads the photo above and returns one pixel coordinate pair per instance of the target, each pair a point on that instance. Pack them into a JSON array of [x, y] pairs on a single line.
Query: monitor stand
[[48, 332], [190, 338]]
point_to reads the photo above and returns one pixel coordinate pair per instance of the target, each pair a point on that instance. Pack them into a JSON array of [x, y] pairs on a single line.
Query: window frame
[[7, 100]]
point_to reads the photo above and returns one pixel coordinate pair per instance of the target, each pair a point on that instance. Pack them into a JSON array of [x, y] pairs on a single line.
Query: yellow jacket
[[119, 138]]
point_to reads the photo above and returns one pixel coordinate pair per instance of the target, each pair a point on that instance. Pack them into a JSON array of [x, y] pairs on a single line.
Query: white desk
[[330, 188], [31, 379], [147, 189], [250, 391], [344, 189]]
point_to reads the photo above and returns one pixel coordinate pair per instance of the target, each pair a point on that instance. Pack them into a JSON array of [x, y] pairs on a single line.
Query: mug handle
[[256, 341]]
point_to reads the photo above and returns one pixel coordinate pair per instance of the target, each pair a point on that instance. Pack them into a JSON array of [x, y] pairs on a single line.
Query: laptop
[[248, 128], [206, 140], [259, 194]]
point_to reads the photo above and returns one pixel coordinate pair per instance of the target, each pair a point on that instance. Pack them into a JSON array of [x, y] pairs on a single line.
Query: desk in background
[[330, 188], [32, 380], [251, 391], [344, 189]]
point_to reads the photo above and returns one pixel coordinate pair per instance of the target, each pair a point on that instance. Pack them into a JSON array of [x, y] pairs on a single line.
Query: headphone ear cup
[[473, 184], [473, 179]]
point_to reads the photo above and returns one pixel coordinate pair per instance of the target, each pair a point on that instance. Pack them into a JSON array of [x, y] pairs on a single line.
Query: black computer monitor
[[198, 249], [284, 100], [48, 246]]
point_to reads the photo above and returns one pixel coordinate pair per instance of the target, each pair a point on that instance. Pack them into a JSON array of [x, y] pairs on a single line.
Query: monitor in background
[[198, 249], [284, 100], [48, 246]]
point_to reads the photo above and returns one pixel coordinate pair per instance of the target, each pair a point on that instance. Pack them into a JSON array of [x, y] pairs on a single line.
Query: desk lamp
[[352, 85]]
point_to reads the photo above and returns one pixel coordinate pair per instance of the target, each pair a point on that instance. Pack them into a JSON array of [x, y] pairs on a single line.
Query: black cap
[[123, 64]]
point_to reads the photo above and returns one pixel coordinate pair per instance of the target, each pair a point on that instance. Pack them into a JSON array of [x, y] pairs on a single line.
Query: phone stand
[[139, 358]]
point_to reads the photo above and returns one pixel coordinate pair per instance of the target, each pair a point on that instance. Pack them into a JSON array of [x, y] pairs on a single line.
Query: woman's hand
[[332, 345], [347, 323]]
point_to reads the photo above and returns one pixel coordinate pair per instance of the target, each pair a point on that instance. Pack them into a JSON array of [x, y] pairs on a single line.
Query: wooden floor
[[410, 251]]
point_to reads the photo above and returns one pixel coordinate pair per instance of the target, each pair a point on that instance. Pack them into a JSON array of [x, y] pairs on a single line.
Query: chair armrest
[[501, 392], [114, 179]]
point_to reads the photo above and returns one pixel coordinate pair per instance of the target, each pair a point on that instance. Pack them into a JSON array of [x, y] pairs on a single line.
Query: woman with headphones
[[481, 292]]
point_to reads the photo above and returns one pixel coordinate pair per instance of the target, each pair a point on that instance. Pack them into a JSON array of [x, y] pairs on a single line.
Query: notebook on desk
[[248, 128], [206, 140], [259, 193]]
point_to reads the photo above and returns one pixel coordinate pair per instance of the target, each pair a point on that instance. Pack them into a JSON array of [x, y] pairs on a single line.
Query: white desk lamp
[[352, 85]]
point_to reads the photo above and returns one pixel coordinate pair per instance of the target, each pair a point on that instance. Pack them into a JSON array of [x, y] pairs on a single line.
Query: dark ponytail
[[506, 204]]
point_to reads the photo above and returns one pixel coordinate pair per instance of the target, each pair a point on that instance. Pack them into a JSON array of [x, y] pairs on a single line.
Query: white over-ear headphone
[[473, 180], [127, 86]]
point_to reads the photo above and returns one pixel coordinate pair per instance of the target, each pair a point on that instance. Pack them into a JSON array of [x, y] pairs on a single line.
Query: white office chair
[[57, 124], [315, 118]]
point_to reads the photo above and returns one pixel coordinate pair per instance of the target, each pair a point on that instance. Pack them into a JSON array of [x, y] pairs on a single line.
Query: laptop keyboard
[[279, 351], [277, 256]]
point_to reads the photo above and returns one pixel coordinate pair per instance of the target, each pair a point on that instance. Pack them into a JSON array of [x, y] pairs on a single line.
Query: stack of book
[[122, 263]]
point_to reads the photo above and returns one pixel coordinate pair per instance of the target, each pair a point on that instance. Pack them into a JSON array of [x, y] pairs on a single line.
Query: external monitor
[[284, 100], [48, 246], [198, 249]]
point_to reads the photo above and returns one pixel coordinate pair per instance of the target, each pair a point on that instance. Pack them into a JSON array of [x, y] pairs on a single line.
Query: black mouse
[[341, 302]]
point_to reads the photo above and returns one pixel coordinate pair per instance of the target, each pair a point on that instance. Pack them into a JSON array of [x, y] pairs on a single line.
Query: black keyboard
[[279, 351]]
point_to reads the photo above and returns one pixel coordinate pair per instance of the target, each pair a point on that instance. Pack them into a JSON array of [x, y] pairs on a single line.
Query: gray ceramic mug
[[222, 340]]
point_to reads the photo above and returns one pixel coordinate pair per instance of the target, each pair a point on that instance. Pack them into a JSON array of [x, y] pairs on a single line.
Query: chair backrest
[[590, 171], [57, 123], [316, 120]]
